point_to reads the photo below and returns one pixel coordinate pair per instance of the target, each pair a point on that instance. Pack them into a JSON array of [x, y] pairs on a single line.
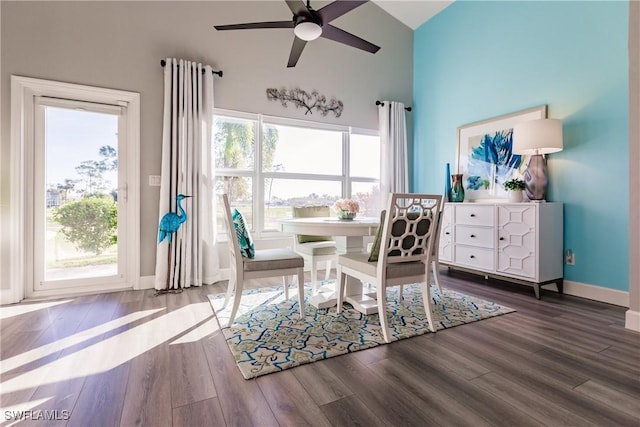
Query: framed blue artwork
[[484, 154]]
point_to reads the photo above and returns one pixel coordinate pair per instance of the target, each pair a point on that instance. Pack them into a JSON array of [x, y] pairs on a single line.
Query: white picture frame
[[484, 155]]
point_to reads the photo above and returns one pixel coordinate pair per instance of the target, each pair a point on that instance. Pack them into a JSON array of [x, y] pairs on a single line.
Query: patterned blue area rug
[[268, 336]]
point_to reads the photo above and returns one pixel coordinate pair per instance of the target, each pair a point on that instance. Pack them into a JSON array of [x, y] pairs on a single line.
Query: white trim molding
[[633, 315], [147, 282], [23, 92], [632, 320], [597, 293]]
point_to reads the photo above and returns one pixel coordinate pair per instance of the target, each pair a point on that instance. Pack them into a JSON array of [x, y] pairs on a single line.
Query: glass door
[[79, 197]]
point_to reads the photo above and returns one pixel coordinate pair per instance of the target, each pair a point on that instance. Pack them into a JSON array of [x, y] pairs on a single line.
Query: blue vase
[[457, 192], [447, 182]]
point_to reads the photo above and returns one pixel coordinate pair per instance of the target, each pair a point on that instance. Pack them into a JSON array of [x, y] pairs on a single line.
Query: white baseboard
[[8, 296], [632, 320], [597, 293], [149, 282]]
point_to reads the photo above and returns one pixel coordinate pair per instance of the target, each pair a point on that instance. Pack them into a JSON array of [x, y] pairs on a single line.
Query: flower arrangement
[[346, 205], [514, 184]]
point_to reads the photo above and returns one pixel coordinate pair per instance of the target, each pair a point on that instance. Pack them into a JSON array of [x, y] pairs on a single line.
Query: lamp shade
[[542, 136]]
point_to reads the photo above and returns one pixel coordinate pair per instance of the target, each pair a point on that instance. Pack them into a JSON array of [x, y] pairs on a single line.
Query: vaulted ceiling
[[412, 13]]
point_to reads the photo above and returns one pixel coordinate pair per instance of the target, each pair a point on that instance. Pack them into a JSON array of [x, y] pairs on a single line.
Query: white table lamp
[[537, 137]]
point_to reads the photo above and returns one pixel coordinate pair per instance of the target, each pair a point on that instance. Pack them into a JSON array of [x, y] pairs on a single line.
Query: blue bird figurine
[[171, 221]]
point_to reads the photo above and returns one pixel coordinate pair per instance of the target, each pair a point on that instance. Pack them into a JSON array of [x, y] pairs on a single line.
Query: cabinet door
[[446, 241], [517, 240]]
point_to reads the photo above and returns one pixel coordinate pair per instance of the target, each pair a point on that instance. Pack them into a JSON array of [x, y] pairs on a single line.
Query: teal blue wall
[[477, 60]]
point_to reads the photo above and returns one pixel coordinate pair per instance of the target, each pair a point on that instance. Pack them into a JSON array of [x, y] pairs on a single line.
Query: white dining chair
[[265, 263], [405, 250], [435, 253], [315, 249]]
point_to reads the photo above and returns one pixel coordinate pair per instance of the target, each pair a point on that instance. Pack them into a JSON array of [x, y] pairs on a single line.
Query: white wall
[[119, 45]]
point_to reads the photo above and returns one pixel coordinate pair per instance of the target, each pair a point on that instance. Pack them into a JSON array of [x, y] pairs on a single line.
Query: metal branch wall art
[[302, 99]]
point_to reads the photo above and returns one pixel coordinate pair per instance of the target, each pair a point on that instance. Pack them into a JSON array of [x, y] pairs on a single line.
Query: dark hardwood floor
[[131, 358]]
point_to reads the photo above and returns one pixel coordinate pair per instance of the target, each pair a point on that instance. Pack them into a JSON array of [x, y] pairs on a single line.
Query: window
[[269, 164]]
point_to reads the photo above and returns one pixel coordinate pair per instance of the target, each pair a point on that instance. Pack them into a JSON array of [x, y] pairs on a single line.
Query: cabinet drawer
[[474, 236], [478, 258], [468, 214]]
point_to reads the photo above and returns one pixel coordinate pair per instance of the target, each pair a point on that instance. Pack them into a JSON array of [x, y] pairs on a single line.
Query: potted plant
[[346, 208], [514, 188]]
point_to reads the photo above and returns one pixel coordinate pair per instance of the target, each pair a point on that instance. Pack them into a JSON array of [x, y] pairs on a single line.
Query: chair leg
[[327, 271], [236, 302], [400, 291], [436, 274], [286, 287], [342, 278], [301, 291], [230, 287], [426, 300], [314, 276], [381, 297]]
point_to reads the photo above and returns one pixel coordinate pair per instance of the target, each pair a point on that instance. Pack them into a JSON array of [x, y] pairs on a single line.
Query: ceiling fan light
[[307, 31]]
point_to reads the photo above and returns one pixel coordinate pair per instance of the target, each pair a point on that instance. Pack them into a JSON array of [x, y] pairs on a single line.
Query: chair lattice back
[[410, 227]]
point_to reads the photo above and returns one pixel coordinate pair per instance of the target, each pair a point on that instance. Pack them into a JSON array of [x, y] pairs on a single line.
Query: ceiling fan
[[309, 24]]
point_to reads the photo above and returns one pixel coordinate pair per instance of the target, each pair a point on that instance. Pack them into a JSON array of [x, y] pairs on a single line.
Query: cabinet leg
[[560, 284], [536, 288]]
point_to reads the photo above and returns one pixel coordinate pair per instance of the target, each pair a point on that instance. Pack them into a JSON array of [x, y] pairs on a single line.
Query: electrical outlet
[[569, 257], [154, 180]]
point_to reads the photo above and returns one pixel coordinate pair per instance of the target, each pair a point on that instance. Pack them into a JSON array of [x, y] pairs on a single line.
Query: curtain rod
[[163, 63], [382, 103]]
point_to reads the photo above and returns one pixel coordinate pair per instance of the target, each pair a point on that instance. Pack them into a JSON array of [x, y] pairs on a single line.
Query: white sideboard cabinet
[[519, 242]]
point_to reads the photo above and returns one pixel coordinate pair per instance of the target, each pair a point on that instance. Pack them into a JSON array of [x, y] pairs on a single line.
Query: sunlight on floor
[[209, 327], [113, 351], [16, 309], [248, 302], [61, 344]]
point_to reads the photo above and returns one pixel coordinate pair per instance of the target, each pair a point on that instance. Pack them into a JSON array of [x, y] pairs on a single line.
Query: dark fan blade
[[337, 35], [254, 25], [296, 6], [296, 51], [338, 8]]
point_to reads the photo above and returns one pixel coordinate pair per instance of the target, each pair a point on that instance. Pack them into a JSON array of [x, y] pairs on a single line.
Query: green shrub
[[89, 223]]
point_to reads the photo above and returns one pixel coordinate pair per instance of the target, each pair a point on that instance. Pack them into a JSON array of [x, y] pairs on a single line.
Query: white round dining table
[[349, 236]]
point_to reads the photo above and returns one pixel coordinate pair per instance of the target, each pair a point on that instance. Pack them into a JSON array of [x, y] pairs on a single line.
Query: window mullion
[[258, 187], [346, 181]]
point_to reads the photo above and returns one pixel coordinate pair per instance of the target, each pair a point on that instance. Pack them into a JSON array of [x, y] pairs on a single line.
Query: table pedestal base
[[365, 303], [325, 298]]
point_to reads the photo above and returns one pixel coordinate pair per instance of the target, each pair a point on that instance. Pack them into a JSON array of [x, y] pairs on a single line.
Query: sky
[[302, 150], [73, 136]]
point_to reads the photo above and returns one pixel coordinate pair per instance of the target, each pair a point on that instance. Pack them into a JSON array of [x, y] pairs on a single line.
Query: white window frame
[[258, 176], [24, 90]]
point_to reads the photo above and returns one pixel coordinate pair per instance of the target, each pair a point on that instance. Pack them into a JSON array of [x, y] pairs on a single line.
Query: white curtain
[[187, 168], [394, 174]]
